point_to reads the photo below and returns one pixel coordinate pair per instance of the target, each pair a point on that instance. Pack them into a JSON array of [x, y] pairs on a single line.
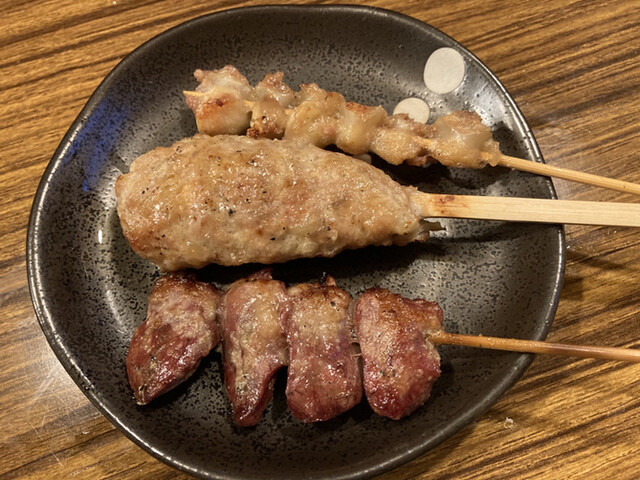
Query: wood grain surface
[[573, 68]]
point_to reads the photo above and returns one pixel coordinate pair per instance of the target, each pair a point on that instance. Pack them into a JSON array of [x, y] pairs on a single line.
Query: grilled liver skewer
[[394, 337], [225, 103], [233, 199]]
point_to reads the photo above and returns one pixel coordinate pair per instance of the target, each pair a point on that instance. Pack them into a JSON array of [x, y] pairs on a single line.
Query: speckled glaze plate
[[90, 290]]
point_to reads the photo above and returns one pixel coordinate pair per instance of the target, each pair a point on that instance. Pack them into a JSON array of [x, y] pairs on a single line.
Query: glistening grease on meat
[[324, 377], [232, 200], [225, 110], [179, 331], [400, 365], [312, 327], [321, 118], [253, 342]]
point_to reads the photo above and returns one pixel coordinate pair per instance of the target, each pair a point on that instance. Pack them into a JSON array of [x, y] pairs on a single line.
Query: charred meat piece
[[400, 365], [254, 345], [324, 377], [180, 329], [232, 200]]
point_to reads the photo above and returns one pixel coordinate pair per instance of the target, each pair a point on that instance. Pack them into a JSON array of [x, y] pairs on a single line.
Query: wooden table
[[572, 67]]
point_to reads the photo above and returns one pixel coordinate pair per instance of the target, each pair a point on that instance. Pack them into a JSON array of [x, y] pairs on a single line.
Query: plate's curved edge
[[520, 365]]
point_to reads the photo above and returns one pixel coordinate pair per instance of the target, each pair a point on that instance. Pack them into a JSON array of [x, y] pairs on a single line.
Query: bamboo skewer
[[532, 346], [551, 171], [528, 210], [566, 174]]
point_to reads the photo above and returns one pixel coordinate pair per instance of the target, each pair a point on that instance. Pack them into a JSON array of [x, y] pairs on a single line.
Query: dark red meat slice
[[399, 364], [179, 331], [324, 377], [254, 345]]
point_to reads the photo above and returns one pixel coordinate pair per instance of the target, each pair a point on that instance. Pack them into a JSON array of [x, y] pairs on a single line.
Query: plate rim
[[48, 324]]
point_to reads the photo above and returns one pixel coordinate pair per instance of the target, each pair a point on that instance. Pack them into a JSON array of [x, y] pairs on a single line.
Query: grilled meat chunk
[[219, 102], [324, 377], [400, 365], [180, 329], [232, 200], [253, 342]]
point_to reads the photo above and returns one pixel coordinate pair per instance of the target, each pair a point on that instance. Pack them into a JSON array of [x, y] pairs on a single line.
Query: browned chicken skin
[[232, 200], [180, 330], [225, 103], [226, 112]]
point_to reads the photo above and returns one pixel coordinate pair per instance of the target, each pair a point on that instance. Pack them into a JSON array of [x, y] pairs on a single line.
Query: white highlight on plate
[[444, 70], [416, 108]]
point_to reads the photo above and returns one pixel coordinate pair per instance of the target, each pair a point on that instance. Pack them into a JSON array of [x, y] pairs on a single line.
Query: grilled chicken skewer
[[384, 345], [225, 103], [232, 200]]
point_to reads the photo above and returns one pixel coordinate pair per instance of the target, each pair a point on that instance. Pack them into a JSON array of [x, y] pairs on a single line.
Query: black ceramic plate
[[89, 289]]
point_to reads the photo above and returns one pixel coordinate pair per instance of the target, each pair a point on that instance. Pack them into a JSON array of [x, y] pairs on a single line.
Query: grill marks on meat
[[232, 200], [254, 344], [324, 378], [225, 103], [180, 330], [399, 364], [334, 349]]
